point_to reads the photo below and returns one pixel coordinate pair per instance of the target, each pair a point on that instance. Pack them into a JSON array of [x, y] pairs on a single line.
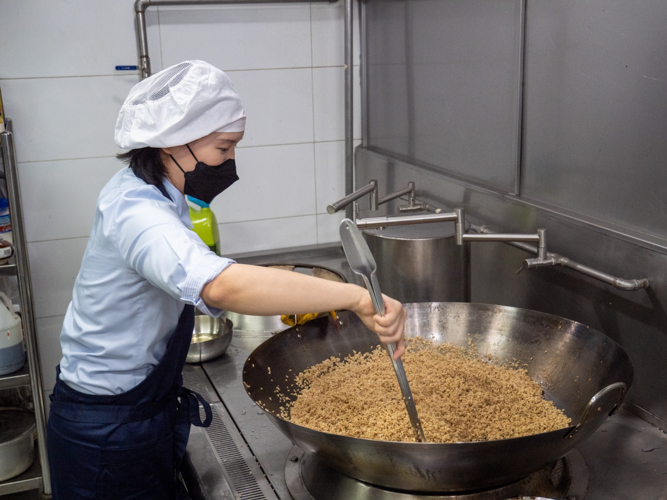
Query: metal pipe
[[374, 197], [460, 225], [142, 39], [347, 200], [520, 86], [140, 7], [349, 103], [25, 292], [364, 73], [501, 237], [377, 222], [559, 260], [416, 206], [392, 196], [542, 244]]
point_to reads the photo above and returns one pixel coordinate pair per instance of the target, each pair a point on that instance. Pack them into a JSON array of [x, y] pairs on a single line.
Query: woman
[[120, 418]]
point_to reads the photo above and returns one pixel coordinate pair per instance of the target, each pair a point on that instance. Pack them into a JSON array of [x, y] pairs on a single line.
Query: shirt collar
[[182, 207]]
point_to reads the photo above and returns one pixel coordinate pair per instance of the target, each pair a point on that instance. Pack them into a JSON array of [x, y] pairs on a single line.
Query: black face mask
[[206, 182]]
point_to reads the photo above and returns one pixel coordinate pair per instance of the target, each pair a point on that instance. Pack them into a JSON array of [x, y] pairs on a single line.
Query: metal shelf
[[29, 480], [38, 476], [16, 379], [8, 270]]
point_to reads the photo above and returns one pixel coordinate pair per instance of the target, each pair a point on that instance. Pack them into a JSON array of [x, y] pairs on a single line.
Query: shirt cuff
[[210, 266]]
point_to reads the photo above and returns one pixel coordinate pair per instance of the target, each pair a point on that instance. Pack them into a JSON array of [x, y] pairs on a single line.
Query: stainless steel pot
[[581, 370], [17, 442], [419, 263], [210, 339]]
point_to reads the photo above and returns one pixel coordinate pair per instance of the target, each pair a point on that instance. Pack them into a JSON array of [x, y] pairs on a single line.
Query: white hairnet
[[178, 105]]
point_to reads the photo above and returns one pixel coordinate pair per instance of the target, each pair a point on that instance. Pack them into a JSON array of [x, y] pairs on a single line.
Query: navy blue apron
[[130, 445]]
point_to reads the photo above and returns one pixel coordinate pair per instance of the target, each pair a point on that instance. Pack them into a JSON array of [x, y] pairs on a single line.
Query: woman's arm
[[264, 291]]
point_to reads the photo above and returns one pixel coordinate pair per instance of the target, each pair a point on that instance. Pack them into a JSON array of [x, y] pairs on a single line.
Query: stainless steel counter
[[243, 456]]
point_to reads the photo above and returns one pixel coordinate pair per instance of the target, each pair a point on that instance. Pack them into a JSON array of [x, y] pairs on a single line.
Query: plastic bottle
[[205, 224], [5, 221]]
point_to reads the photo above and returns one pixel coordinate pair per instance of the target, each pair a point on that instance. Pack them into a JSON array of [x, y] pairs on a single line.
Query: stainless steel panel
[[637, 320], [596, 108], [443, 80]]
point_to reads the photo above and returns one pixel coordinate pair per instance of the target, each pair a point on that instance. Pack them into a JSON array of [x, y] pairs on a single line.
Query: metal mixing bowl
[[210, 339]]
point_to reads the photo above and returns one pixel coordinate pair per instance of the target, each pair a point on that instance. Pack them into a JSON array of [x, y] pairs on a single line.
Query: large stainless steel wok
[[582, 371]]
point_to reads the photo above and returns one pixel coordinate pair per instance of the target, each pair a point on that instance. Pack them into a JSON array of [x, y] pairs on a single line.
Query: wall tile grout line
[[312, 83], [238, 147], [59, 239], [136, 73], [272, 218], [244, 221], [51, 316]]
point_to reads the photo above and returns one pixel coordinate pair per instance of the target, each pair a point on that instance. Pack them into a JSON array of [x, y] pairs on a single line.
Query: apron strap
[[190, 404], [108, 414], [188, 410]]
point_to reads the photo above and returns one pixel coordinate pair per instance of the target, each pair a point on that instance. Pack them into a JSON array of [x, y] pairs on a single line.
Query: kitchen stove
[[309, 479], [242, 456]]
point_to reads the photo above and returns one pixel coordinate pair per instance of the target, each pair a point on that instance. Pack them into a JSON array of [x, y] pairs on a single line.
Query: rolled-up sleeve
[[155, 243]]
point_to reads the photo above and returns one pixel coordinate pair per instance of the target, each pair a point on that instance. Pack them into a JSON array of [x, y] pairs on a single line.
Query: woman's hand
[[388, 327]]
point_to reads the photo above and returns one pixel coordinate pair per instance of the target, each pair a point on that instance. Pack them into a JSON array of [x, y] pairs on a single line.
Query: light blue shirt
[[143, 263]]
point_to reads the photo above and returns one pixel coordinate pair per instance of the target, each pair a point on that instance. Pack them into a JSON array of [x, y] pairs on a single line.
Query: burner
[[309, 479]]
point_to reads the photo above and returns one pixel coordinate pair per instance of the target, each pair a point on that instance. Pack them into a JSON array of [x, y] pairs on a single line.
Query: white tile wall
[[327, 227], [154, 35], [329, 93], [330, 172], [64, 118], [279, 105], [59, 86], [328, 34], [238, 37], [56, 205], [54, 266], [275, 181], [47, 38], [48, 343], [266, 234]]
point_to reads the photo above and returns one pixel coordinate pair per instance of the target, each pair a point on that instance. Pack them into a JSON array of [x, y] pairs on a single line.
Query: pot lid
[[14, 423]]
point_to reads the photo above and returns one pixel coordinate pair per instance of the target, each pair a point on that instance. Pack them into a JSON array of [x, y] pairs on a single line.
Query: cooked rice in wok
[[459, 397]]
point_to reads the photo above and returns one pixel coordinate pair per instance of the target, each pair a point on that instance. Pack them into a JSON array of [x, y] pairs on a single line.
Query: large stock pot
[[582, 371], [419, 262]]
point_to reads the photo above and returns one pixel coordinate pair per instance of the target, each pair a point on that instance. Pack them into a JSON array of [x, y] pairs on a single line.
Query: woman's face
[[213, 150]]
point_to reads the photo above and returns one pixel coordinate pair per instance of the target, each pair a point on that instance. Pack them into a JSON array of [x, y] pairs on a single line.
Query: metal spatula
[[361, 261]]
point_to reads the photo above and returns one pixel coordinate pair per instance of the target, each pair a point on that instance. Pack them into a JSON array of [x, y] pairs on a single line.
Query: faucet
[[458, 216], [372, 189], [544, 258]]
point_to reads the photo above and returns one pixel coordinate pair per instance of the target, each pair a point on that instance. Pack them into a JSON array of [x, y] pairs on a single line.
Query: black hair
[[145, 163]]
